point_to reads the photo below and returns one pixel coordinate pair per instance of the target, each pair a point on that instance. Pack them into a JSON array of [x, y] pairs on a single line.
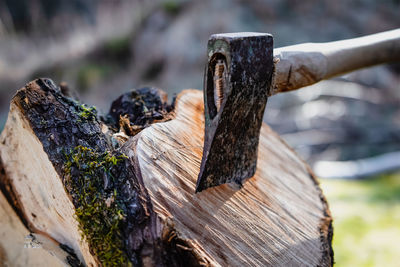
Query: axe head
[[236, 87]]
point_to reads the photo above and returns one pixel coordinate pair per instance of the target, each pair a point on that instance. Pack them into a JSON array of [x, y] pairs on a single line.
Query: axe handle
[[305, 64]]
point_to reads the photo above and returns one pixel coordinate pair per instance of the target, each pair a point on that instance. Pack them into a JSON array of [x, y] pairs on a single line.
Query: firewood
[[112, 199]]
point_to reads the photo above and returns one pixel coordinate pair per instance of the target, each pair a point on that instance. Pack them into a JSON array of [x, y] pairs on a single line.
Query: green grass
[[366, 220]]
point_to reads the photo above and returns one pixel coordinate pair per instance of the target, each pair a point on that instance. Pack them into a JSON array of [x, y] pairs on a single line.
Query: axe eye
[[216, 84], [219, 83]]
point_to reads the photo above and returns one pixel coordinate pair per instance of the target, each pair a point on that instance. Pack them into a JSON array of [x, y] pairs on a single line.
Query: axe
[[243, 70]]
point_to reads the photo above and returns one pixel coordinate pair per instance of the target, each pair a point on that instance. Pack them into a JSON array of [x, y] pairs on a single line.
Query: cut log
[[68, 179], [33, 186], [65, 180], [278, 218]]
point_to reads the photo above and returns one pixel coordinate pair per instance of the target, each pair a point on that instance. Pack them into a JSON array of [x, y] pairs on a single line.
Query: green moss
[[87, 113], [89, 175]]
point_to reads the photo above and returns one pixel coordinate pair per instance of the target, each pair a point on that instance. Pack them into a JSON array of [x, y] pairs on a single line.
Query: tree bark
[[96, 196]]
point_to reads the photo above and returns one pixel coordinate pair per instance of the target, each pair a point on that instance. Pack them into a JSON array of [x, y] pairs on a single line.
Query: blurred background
[[347, 128]]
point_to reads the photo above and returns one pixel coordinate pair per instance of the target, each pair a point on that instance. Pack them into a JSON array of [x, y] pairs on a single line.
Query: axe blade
[[237, 81]]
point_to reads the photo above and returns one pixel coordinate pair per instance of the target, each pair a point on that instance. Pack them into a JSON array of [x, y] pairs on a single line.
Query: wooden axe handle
[[305, 64]]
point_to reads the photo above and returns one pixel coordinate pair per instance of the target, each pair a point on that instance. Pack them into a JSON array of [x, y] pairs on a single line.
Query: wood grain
[[278, 218], [12, 237]]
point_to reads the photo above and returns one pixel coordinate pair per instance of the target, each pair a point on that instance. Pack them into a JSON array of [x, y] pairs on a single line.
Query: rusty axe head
[[236, 87]]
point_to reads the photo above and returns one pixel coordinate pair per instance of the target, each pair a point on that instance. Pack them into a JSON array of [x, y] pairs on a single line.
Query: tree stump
[[102, 197]]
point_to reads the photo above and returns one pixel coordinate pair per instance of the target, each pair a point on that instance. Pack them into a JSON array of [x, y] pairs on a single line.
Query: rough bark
[[106, 198]]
